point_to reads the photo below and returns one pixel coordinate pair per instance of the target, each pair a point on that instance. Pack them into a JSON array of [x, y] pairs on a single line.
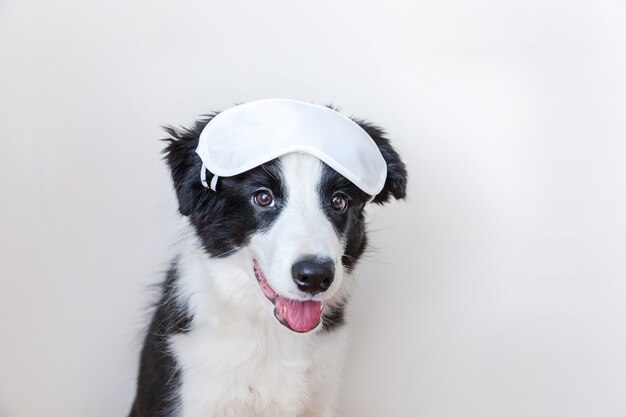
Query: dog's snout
[[313, 275]]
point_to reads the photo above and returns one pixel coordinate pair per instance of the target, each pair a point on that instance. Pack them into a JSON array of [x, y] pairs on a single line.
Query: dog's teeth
[[284, 310]]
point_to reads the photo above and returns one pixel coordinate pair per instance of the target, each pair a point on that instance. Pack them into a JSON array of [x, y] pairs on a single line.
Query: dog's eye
[[339, 202], [263, 198]]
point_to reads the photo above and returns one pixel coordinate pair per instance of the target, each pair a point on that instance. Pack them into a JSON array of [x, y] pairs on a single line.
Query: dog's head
[[300, 223]]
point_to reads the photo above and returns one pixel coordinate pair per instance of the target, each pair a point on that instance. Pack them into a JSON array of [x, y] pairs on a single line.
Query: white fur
[[237, 360]]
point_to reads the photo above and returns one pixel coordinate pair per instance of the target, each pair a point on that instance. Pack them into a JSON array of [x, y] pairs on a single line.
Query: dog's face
[[300, 224]]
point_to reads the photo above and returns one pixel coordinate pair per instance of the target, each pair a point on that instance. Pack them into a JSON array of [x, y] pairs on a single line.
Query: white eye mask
[[249, 135]]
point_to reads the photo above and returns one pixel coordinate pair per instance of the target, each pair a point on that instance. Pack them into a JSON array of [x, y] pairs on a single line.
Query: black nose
[[313, 274]]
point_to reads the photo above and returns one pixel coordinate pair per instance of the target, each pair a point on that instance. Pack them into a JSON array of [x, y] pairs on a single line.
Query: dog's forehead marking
[[302, 174], [303, 220]]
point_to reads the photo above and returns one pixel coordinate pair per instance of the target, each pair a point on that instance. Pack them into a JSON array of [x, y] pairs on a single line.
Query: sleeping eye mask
[[249, 135]]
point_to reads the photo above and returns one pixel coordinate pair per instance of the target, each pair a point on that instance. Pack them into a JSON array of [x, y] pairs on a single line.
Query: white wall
[[497, 290]]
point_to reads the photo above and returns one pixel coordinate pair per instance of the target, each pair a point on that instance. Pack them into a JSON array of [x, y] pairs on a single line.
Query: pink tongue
[[301, 316]]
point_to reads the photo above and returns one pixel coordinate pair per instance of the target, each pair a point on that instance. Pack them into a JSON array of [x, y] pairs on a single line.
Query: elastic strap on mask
[[213, 184]]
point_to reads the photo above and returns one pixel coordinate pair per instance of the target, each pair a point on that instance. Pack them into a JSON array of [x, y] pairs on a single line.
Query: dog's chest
[[239, 375]]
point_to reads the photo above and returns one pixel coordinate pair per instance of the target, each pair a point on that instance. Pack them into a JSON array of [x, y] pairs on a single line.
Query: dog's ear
[[185, 165], [395, 184]]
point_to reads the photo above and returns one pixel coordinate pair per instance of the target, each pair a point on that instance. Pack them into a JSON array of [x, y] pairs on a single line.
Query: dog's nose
[[313, 275]]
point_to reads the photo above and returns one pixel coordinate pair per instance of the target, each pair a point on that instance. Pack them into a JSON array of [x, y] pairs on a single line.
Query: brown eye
[[263, 198], [339, 202]]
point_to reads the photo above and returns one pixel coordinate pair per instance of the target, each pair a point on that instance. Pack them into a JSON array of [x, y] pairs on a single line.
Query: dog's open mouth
[[299, 316]]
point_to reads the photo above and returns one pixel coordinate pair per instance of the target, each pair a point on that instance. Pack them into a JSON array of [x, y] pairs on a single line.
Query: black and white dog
[[287, 233]]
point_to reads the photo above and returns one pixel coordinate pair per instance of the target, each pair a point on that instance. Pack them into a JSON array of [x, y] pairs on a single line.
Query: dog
[[283, 237]]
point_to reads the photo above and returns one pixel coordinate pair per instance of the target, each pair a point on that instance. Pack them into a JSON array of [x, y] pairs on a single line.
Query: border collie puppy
[[250, 322]]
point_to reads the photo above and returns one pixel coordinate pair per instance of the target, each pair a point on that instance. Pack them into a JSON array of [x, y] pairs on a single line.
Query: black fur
[[395, 185], [223, 220], [334, 319], [158, 376], [350, 224]]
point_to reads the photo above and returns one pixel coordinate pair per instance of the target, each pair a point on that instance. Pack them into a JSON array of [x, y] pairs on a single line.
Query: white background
[[498, 289]]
